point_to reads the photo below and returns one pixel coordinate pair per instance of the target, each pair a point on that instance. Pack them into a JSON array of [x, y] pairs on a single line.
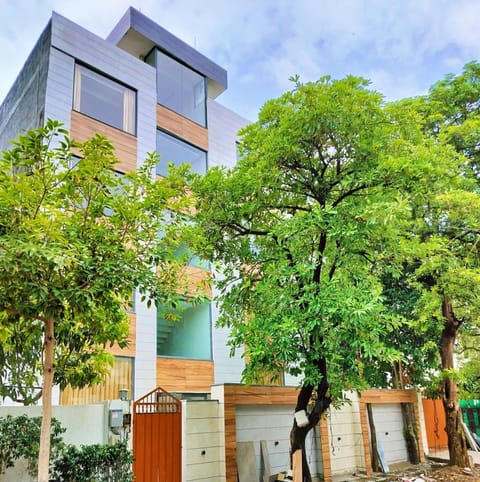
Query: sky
[[401, 46]]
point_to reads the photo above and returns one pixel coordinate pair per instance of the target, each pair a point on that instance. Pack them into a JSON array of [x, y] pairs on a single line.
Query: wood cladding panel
[[388, 396], [182, 375], [230, 442], [125, 145], [182, 127], [325, 448], [261, 395], [120, 377], [130, 349]]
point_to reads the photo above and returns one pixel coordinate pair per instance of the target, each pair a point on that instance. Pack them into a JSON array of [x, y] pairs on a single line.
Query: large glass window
[[179, 88], [175, 151], [104, 99], [189, 337]]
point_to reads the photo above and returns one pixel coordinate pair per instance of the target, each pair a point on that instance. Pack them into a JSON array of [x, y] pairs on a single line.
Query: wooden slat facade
[[83, 128], [120, 377], [183, 375], [182, 127]]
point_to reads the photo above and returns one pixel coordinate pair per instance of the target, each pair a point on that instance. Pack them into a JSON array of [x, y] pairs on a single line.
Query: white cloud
[[402, 46]]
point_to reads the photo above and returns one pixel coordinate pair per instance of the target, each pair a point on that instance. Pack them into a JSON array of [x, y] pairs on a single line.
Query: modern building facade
[[146, 90]]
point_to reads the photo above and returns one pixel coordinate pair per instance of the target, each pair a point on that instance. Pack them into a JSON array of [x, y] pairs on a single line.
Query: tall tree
[[297, 227], [447, 229], [75, 240]]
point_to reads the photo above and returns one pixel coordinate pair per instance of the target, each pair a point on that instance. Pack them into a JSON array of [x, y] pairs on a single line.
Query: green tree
[[445, 229], [468, 350], [75, 241], [298, 227]]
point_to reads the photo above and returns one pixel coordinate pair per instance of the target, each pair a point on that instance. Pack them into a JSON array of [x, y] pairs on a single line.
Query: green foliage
[[300, 226], [95, 463], [19, 438], [469, 368], [76, 240]]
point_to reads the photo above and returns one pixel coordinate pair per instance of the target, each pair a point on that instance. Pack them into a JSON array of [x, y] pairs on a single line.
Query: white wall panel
[[389, 427], [273, 424]]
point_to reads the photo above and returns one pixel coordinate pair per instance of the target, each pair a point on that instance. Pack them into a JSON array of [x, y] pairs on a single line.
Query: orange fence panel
[[157, 438], [435, 424]]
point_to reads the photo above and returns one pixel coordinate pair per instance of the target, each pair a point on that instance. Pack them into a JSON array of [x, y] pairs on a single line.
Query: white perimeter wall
[[85, 424], [203, 442], [345, 437]]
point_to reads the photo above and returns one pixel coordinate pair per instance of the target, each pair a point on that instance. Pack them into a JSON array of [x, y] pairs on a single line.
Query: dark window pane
[[173, 150]]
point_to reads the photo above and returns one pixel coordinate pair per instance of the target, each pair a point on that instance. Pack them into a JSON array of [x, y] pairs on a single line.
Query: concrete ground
[[443, 455], [437, 455]]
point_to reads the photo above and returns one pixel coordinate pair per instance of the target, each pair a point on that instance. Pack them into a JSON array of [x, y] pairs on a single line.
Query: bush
[[95, 463], [20, 438]]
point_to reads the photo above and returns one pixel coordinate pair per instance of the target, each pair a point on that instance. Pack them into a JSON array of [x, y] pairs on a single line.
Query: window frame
[[152, 56], [129, 96], [178, 162]]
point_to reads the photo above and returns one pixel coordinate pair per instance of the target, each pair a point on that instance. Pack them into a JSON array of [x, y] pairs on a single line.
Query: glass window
[[177, 152], [104, 99], [189, 337], [179, 88]]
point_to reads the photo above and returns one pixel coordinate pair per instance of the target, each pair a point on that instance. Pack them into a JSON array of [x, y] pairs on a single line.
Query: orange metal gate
[[157, 438]]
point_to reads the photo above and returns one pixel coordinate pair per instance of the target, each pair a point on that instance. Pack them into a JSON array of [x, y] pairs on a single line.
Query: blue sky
[[402, 46]]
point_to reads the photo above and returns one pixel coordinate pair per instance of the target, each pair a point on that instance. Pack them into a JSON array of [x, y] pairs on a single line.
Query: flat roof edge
[[135, 20]]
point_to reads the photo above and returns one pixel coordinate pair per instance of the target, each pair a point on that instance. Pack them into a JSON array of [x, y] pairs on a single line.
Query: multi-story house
[[146, 90]]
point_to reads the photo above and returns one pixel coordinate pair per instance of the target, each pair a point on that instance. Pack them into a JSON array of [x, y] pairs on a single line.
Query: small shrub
[[95, 463], [20, 438]]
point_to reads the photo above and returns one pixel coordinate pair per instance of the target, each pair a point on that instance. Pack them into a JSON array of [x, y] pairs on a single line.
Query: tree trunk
[[48, 371], [411, 435], [457, 443], [373, 435], [322, 402]]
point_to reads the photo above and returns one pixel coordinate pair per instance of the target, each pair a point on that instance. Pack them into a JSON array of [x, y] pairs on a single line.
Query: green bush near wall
[[95, 463], [19, 439]]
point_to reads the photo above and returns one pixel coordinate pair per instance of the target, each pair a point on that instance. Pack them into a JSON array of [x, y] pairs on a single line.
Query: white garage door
[[389, 427], [273, 423]]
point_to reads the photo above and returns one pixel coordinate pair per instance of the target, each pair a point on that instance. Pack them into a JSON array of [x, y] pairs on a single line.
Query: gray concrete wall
[[23, 107], [223, 126]]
